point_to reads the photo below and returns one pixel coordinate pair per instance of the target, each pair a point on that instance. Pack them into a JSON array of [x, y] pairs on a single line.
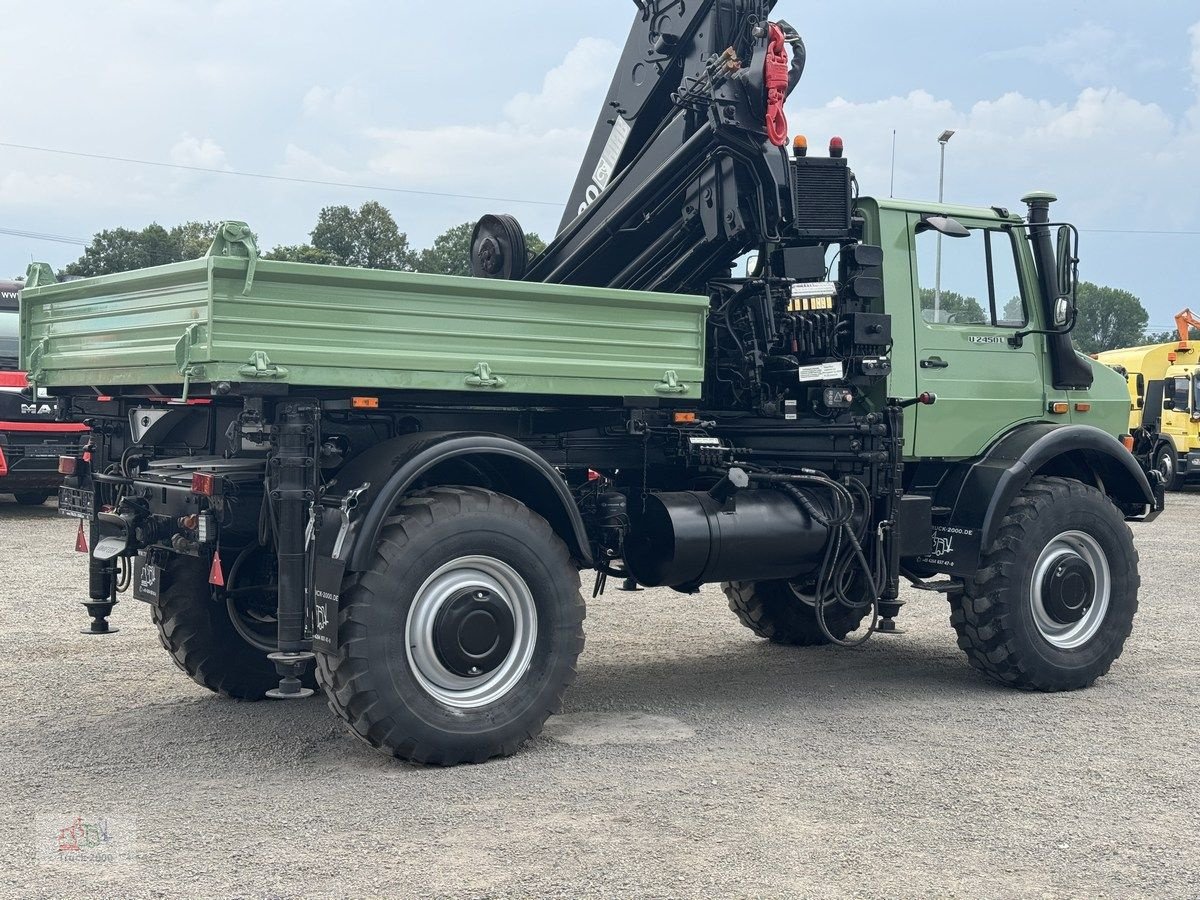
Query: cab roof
[[947, 209]]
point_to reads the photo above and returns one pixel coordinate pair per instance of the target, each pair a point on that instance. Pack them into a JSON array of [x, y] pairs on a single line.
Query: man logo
[[37, 409]]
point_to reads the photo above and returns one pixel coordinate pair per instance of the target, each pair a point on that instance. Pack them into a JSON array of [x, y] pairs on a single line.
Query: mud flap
[[327, 595]]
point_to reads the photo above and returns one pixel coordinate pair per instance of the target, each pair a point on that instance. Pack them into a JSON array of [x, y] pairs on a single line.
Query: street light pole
[[943, 139]]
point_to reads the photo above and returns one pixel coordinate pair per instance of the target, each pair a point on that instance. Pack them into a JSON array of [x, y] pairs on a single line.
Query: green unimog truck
[[387, 486]]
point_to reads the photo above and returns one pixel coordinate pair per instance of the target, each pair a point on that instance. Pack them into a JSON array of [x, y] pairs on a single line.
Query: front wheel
[[1055, 596], [461, 637], [1167, 462], [31, 498]]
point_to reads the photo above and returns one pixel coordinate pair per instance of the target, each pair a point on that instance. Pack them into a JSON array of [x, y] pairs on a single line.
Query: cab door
[[972, 294], [1177, 408]]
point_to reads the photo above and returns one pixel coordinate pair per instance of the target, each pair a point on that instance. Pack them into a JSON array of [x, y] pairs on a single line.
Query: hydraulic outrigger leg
[[292, 470]]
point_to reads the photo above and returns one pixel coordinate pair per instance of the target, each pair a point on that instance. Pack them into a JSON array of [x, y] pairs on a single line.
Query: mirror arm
[[1018, 339]]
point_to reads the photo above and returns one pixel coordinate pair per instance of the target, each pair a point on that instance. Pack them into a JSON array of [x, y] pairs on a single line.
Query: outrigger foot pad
[[290, 667], [888, 627], [630, 586], [99, 611]]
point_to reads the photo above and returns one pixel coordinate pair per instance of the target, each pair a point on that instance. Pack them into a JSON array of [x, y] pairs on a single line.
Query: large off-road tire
[[1053, 602], [773, 610], [199, 633], [1166, 460], [461, 637], [32, 498]]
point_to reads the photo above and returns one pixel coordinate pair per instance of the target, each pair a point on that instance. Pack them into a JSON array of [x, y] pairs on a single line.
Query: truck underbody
[[416, 523]]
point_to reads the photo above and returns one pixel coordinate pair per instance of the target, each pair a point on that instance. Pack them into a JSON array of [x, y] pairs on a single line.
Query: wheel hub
[[473, 633], [1069, 590]]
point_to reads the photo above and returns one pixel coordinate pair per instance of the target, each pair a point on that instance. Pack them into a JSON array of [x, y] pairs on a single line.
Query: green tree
[[1109, 318], [194, 238], [1170, 337], [956, 309], [301, 253], [123, 249], [367, 238], [451, 251]]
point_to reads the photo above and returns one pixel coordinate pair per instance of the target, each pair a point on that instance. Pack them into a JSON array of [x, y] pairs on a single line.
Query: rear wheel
[[1053, 602], [221, 644], [460, 639], [32, 498], [1167, 462], [783, 613]]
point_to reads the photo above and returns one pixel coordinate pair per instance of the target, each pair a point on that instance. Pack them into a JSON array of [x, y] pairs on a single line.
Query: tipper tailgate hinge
[[235, 239], [183, 357], [671, 384], [483, 377], [260, 366]]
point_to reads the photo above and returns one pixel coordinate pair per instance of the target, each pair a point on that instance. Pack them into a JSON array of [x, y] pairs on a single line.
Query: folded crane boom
[[687, 169]]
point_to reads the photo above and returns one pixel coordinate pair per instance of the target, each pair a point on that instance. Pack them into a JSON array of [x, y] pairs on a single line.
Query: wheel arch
[[393, 468], [985, 488]]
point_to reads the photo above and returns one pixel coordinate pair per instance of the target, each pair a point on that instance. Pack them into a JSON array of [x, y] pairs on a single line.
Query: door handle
[[934, 362]]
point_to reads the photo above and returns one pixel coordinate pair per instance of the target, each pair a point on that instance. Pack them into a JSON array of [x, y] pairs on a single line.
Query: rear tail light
[[1127, 440], [3, 464], [68, 465], [14, 380], [204, 484]]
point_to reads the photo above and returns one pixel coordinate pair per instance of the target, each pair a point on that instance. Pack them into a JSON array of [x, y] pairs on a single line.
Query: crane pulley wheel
[[498, 249]]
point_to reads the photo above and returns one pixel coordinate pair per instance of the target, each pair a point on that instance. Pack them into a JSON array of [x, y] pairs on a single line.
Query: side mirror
[[1169, 404], [1062, 312], [943, 225], [1066, 263]]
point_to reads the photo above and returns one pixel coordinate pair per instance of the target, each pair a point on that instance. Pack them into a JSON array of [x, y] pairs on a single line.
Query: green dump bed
[[231, 317]]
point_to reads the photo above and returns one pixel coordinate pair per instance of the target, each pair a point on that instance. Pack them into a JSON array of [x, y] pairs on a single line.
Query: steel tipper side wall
[[356, 328]]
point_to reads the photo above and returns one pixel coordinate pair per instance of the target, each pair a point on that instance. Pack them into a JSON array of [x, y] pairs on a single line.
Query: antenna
[[892, 193]]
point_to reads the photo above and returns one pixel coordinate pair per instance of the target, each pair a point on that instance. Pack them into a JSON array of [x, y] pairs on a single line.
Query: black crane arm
[[687, 169]]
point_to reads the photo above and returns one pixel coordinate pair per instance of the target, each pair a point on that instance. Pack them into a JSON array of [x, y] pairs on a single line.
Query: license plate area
[[75, 503]]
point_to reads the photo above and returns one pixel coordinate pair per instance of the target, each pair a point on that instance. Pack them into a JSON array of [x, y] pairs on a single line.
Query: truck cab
[[31, 438], [1163, 387], [963, 309]]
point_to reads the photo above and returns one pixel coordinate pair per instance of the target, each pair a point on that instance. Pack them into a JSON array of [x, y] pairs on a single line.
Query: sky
[[411, 101]]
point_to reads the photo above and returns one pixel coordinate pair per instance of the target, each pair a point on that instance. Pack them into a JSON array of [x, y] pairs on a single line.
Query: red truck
[[31, 438]]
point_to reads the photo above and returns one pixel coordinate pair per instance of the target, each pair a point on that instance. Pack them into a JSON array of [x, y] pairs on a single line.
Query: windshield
[[9, 333], [1196, 393]]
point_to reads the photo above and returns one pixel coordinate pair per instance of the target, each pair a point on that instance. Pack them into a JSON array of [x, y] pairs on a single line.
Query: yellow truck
[[1164, 401]]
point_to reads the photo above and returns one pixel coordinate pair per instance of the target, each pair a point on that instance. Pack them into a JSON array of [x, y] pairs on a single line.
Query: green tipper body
[[232, 317], [222, 319]]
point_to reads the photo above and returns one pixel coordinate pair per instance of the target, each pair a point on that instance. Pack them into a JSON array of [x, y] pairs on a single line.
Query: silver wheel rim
[[1166, 465], [470, 573], [1069, 546]]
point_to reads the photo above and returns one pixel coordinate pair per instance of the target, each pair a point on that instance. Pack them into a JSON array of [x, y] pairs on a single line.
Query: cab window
[[1180, 391], [975, 281]]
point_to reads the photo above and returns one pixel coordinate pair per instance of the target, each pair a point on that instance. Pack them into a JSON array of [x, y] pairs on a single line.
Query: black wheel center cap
[[1069, 590], [473, 633]]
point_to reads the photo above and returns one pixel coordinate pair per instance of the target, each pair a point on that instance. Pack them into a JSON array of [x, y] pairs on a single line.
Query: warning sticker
[[833, 371]]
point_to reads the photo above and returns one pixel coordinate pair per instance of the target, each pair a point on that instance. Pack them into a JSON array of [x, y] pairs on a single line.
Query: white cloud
[[584, 73], [1114, 160], [203, 153], [532, 151], [300, 163], [323, 103], [1090, 54], [1194, 31]]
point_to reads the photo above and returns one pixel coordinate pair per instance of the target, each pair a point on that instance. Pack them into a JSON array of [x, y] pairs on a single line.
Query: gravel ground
[[694, 760]]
